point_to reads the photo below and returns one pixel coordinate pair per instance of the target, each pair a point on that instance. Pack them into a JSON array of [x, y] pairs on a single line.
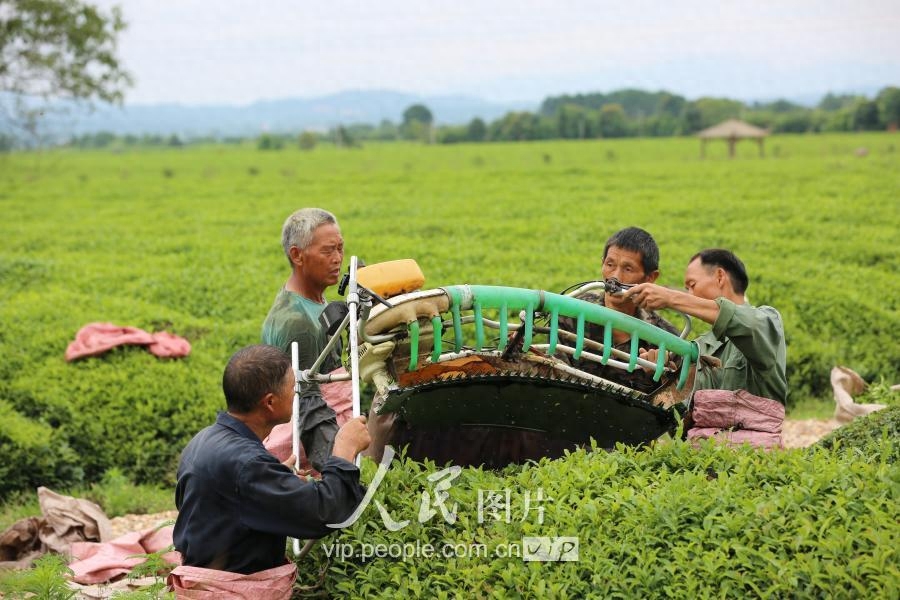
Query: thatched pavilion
[[732, 130]]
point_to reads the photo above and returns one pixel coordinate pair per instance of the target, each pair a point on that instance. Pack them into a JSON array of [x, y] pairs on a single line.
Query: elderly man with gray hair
[[313, 245]]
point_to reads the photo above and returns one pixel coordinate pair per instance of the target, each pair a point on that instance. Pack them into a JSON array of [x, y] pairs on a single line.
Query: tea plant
[[93, 236], [47, 580], [199, 255], [666, 521]]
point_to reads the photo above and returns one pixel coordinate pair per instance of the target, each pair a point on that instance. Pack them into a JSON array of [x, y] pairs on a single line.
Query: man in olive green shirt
[[314, 248], [294, 318], [747, 340]]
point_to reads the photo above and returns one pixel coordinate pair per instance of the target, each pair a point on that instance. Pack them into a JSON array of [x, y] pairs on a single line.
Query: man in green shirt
[[747, 340], [312, 242]]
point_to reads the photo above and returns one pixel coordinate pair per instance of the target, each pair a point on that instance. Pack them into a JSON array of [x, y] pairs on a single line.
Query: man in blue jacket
[[237, 504]]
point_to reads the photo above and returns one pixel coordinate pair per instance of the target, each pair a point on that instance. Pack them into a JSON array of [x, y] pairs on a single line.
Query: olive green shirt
[[294, 318], [749, 341]]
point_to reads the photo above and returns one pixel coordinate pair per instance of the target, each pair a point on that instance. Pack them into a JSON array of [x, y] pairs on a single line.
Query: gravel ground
[[129, 523], [800, 434]]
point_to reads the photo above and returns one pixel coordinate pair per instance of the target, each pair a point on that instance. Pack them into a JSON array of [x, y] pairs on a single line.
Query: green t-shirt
[[294, 318]]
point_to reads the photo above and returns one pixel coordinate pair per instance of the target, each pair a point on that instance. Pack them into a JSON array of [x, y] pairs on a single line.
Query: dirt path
[[806, 432], [129, 523]]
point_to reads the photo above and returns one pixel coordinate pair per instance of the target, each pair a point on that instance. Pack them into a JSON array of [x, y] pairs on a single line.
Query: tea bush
[[48, 580], [878, 429], [95, 236], [33, 451], [881, 428], [668, 521]]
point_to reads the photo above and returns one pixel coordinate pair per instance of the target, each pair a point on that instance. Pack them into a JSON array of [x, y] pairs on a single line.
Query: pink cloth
[[98, 562], [338, 395], [209, 584], [758, 439], [96, 338], [737, 417], [727, 408], [169, 345]]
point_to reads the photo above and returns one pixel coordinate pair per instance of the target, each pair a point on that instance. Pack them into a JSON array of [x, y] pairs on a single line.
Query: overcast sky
[[236, 52]]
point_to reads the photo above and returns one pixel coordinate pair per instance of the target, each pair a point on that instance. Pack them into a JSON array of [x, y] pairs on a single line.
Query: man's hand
[[351, 439], [652, 355], [291, 463], [650, 296]]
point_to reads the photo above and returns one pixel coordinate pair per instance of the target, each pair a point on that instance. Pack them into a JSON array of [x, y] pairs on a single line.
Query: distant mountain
[[290, 115], [293, 115]]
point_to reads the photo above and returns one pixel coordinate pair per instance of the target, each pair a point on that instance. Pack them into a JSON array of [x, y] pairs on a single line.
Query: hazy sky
[[235, 52]]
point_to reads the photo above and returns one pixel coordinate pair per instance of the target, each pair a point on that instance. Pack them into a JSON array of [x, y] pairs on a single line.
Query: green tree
[[476, 130], [544, 128], [833, 102], [839, 120], [343, 137], [574, 122], [637, 104], [514, 126], [267, 141], [453, 134], [670, 105], [865, 116], [386, 131], [417, 123], [417, 112], [613, 122], [101, 139], [691, 119], [361, 131], [797, 121], [58, 50], [778, 106], [307, 140], [706, 112], [888, 101]]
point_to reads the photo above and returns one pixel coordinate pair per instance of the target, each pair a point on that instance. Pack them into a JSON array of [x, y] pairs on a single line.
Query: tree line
[[623, 113], [638, 113]]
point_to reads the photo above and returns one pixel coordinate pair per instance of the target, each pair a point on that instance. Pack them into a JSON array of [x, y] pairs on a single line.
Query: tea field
[[188, 241]]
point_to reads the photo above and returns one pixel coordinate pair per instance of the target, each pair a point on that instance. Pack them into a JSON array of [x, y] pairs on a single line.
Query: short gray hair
[[299, 228]]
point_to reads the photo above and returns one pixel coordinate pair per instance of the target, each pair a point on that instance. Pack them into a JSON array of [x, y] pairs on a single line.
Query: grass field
[[189, 241]]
